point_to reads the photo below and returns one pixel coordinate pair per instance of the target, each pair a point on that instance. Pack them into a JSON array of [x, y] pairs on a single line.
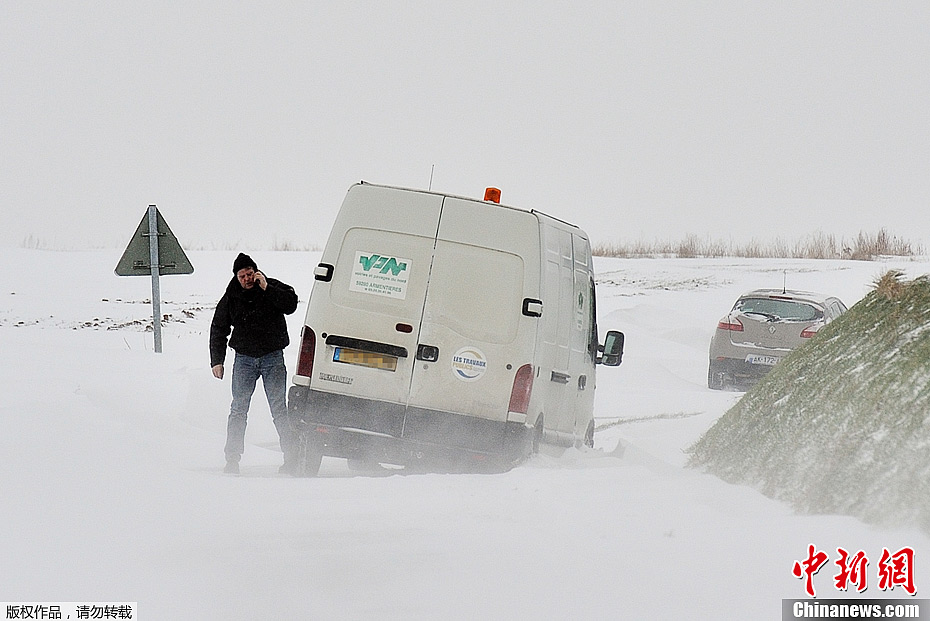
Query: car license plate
[[365, 359], [768, 361]]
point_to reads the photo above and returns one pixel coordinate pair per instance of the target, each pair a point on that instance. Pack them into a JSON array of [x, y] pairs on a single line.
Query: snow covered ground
[[111, 470]]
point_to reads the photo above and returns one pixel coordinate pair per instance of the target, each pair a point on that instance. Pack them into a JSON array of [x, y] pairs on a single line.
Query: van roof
[[578, 230]]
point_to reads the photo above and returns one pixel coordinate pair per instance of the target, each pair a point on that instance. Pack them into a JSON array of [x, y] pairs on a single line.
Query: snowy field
[[113, 489]]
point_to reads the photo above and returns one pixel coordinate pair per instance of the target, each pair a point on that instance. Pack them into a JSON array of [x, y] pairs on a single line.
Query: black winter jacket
[[256, 318]]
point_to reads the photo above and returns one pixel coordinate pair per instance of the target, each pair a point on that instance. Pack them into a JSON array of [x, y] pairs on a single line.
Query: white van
[[447, 330]]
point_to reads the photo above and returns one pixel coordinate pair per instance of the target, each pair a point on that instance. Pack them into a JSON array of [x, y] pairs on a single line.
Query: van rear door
[[473, 336], [367, 332]]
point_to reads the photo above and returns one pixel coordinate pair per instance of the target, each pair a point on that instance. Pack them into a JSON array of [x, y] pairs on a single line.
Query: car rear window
[[786, 310]]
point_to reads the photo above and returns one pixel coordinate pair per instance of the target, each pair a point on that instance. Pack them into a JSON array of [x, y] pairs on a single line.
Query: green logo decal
[[382, 264], [375, 274]]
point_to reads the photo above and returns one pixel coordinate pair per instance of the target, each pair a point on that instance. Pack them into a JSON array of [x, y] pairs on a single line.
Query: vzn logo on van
[[382, 264]]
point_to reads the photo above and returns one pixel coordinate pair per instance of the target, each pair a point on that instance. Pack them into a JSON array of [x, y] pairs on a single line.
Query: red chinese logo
[[894, 569], [809, 567], [897, 570], [852, 569]]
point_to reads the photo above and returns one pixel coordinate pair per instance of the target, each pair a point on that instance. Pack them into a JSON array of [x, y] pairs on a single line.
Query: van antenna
[[431, 168], [784, 286]]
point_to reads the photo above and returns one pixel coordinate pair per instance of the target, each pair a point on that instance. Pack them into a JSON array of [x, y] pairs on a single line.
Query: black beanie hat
[[243, 261]]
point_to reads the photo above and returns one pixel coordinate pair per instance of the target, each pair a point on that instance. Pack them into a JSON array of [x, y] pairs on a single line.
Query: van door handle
[[427, 353], [532, 307], [561, 378]]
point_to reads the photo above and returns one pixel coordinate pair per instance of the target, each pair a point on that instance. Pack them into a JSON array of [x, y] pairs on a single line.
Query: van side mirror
[[612, 348]]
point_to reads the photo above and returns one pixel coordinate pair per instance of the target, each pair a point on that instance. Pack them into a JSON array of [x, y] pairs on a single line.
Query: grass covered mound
[[842, 424]]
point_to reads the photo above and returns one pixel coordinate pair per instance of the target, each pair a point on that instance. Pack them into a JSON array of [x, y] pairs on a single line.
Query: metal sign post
[[156, 288], [154, 250]]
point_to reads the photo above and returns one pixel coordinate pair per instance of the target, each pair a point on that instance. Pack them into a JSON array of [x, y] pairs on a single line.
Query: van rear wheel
[[309, 454], [589, 435]]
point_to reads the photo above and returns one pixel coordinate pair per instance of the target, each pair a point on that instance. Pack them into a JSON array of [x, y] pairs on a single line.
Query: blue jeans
[[246, 371]]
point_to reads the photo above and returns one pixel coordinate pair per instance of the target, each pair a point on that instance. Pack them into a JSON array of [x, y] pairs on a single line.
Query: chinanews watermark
[[855, 609], [892, 574]]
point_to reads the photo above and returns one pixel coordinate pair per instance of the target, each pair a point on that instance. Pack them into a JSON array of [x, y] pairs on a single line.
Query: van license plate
[[766, 360], [365, 359]]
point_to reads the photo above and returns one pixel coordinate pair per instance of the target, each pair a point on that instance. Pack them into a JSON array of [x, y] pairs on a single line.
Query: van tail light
[[307, 349], [522, 389], [810, 331], [733, 325]]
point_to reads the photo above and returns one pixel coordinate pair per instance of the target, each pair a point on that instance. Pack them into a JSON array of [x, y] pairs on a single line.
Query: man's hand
[[218, 371], [261, 280]]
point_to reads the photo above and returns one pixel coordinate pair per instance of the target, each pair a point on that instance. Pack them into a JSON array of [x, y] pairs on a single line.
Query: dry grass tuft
[[890, 285]]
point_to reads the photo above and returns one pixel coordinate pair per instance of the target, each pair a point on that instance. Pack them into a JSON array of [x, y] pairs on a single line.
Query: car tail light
[[810, 331], [733, 325], [307, 349], [522, 389]]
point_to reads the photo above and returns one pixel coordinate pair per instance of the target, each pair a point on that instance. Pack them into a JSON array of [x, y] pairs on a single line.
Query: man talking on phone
[[253, 309]]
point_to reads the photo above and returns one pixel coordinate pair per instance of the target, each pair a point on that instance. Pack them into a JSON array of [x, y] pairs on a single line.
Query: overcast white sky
[[246, 122]]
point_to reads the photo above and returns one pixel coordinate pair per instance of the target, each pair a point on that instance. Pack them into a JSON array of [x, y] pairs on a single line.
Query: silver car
[[762, 328]]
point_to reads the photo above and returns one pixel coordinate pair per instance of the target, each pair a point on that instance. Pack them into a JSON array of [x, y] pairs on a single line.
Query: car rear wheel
[[537, 435], [716, 379]]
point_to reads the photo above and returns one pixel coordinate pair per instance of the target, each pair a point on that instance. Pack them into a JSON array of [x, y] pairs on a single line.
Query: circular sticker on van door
[[469, 364]]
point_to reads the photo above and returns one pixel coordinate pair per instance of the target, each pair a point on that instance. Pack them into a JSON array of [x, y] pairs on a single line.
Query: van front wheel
[[589, 435]]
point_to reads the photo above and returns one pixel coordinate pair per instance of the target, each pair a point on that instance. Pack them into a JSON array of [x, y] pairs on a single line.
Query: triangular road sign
[[171, 258]]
